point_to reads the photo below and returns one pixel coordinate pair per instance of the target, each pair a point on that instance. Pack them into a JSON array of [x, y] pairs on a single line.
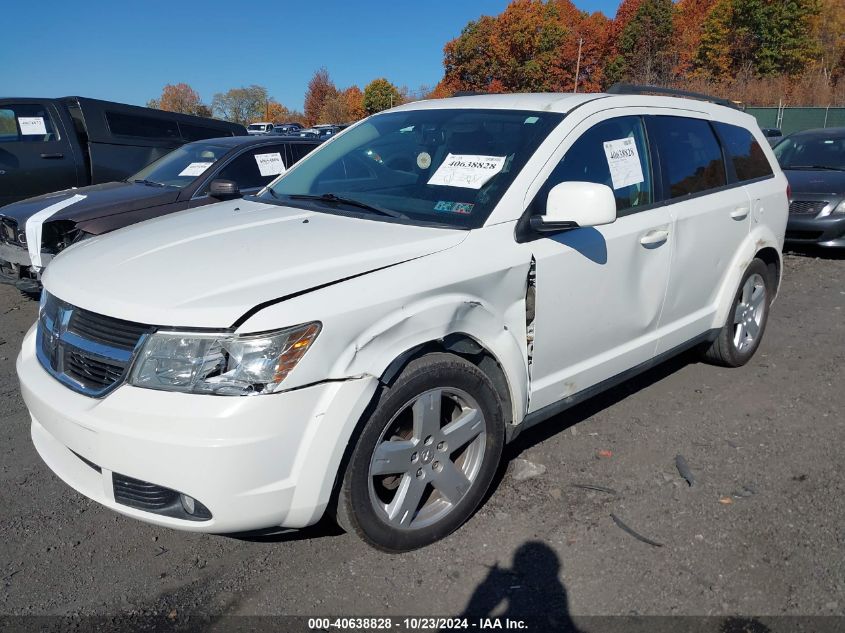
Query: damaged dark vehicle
[[35, 230]]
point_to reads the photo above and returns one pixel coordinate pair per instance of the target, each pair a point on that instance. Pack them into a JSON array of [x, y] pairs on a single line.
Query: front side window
[[690, 155], [26, 122], [430, 166], [812, 152], [255, 168], [612, 153], [745, 153], [182, 166]]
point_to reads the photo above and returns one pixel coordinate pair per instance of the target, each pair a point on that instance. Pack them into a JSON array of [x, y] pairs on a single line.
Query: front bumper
[[254, 462], [827, 230], [16, 266]]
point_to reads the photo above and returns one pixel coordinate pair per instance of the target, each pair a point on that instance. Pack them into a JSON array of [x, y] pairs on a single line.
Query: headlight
[[221, 363], [840, 208]]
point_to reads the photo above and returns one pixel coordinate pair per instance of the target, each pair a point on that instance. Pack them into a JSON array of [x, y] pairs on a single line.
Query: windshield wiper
[[330, 197], [828, 167], [151, 183]]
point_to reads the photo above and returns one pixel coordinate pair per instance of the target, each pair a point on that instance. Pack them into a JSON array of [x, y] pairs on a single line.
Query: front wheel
[[425, 457], [741, 335]]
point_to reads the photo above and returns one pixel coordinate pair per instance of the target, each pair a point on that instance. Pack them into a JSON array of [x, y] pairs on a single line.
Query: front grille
[[107, 330], [88, 352], [142, 495], [807, 207]]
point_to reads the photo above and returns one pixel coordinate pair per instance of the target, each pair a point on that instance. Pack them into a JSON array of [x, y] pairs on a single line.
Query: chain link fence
[[796, 119]]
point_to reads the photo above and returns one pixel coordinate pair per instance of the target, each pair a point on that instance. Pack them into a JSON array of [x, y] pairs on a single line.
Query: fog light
[[187, 503]]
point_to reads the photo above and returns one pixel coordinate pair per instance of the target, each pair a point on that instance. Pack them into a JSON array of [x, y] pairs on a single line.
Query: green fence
[[796, 119]]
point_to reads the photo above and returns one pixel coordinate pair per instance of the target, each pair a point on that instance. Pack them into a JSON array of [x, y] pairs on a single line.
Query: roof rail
[[633, 89]]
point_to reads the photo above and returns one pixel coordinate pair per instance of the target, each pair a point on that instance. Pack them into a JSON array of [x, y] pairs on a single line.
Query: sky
[[127, 52]]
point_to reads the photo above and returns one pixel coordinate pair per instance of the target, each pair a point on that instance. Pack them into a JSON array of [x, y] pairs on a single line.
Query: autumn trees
[[533, 45], [180, 98]]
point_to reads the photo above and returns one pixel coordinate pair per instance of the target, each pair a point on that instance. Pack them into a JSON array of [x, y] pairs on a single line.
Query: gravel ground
[[760, 533]]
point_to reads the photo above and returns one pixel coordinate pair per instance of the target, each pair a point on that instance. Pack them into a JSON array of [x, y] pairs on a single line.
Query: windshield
[[257, 127], [439, 166], [811, 152], [181, 167]]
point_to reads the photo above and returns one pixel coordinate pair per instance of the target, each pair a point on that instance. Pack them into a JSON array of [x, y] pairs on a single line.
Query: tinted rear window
[[690, 155], [744, 151], [123, 124], [201, 132]]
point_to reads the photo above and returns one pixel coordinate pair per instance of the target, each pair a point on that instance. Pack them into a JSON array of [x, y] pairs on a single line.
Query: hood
[[100, 200], [208, 266], [820, 181]]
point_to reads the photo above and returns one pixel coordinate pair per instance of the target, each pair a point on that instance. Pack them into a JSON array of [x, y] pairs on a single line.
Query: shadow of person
[[531, 590]]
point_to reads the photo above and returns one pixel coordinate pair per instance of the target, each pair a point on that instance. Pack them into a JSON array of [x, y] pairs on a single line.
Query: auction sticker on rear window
[[467, 170], [624, 162], [31, 125], [270, 164], [195, 169]]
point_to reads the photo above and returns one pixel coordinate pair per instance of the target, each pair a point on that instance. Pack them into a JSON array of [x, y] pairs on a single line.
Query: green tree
[[241, 105], [380, 95], [645, 43]]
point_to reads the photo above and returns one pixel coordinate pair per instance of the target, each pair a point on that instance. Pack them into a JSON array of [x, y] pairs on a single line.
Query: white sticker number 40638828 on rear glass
[[624, 162], [467, 170]]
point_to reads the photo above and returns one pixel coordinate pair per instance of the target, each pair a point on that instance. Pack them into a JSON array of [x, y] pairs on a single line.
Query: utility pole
[[578, 64]]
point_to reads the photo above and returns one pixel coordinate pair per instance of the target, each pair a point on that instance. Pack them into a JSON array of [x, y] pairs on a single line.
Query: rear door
[[711, 215], [36, 154]]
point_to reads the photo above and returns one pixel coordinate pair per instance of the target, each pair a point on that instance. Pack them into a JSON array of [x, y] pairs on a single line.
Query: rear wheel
[[426, 455], [740, 337]]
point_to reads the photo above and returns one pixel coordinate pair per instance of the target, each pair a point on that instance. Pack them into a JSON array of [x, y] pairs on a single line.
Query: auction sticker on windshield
[[270, 164], [195, 169], [467, 170], [624, 162]]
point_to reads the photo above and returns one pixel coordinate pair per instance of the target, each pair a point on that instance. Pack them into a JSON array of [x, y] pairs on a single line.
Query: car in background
[[773, 135], [814, 164], [35, 230], [286, 129], [259, 128], [52, 144]]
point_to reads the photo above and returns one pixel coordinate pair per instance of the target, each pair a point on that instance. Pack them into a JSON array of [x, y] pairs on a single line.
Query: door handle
[[740, 213], [53, 155], [653, 239]]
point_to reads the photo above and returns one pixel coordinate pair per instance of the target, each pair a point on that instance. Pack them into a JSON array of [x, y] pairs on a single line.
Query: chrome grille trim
[[89, 353]]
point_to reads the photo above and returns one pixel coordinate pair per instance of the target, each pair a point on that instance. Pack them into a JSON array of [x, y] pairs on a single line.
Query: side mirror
[[571, 205], [223, 189]]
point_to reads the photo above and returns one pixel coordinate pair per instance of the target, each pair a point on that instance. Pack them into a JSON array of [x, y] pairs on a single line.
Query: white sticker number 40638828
[[466, 170], [624, 162]]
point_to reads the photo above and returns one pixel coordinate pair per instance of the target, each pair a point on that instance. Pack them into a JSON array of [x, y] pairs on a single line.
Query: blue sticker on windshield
[[464, 208]]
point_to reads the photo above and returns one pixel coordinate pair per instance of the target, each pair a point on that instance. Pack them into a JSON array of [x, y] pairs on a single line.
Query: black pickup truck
[[52, 144]]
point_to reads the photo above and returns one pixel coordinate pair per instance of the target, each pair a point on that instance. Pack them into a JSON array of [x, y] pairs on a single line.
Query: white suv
[[364, 336]]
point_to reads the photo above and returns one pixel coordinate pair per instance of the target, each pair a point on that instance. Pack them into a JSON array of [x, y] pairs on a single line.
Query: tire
[[741, 335], [414, 476]]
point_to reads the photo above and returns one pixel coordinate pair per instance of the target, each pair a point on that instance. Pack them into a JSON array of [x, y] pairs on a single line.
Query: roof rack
[[633, 89]]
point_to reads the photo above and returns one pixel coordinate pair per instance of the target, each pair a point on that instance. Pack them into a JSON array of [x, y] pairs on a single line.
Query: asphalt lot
[[761, 532]]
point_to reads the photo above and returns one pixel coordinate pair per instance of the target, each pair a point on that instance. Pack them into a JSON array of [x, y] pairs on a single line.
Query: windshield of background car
[[181, 167], [439, 166], [811, 152]]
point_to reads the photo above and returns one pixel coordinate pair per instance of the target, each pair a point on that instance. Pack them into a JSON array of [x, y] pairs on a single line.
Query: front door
[[600, 291]]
